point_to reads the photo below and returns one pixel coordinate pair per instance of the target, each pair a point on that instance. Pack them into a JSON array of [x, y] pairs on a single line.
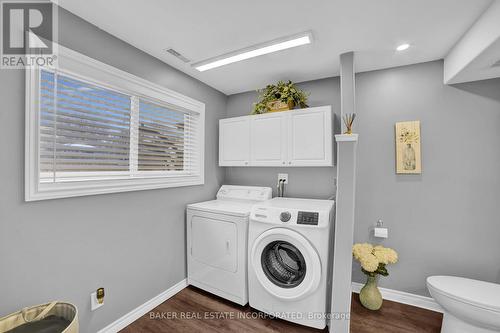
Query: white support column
[[344, 230], [345, 201], [347, 92]]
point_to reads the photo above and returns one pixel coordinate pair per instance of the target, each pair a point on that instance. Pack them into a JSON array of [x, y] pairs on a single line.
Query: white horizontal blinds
[[165, 142], [192, 141], [47, 126], [90, 133], [84, 129]]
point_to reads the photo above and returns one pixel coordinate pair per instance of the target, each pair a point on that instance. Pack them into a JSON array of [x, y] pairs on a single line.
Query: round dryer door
[[286, 264]]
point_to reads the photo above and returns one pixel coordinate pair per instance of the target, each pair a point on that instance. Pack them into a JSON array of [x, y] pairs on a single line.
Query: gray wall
[[444, 221], [316, 182], [133, 244]]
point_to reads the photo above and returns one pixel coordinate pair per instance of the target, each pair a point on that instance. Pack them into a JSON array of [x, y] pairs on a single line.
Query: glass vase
[[370, 295]]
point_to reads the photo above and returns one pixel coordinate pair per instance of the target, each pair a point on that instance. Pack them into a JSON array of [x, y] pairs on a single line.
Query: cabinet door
[[310, 137], [234, 141], [268, 140]]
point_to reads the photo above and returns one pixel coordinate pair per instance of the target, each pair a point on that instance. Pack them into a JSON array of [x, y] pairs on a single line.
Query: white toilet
[[470, 306]]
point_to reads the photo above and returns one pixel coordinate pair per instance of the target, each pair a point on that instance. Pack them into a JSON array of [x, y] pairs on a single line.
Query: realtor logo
[[28, 33]]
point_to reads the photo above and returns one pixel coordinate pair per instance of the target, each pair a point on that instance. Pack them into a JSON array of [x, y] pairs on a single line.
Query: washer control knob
[[285, 216]]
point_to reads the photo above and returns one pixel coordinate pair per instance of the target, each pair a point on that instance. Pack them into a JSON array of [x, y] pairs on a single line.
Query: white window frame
[[92, 71]]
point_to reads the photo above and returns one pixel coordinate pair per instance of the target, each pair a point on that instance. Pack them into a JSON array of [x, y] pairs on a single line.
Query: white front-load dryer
[[217, 241], [289, 270]]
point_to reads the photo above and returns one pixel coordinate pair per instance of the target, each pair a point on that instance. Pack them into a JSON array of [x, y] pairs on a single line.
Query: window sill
[[76, 189]]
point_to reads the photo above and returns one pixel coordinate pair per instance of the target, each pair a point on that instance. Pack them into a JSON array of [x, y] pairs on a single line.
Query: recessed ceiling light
[[255, 51], [403, 47]]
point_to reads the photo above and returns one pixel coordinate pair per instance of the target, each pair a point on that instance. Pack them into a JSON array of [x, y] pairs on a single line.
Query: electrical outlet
[[94, 303], [283, 176]]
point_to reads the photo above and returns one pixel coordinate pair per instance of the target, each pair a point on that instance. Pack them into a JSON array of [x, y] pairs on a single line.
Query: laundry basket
[[61, 309]]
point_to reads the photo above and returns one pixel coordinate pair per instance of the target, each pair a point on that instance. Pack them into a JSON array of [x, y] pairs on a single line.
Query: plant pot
[[277, 106], [370, 295]]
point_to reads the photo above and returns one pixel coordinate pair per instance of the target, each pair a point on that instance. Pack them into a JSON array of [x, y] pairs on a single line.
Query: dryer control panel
[[255, 193]]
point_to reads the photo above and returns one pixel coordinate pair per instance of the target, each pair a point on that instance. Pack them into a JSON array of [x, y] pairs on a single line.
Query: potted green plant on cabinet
[[281, 96]]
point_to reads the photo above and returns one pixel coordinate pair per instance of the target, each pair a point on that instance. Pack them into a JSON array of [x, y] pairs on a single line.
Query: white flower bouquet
[[373, 259]]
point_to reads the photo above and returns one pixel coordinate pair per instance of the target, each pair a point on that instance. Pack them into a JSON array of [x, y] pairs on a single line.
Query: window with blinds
[[108, 134], [84, 130], [163, 138]]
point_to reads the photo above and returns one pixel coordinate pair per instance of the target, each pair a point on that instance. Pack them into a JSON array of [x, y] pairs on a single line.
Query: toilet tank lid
[[479, 293]]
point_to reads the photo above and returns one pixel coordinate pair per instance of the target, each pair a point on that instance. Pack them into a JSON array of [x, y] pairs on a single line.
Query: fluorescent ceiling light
[[403, 47], [255, 51]]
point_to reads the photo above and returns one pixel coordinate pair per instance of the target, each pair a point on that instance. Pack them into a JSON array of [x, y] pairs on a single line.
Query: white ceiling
[[202, 29]]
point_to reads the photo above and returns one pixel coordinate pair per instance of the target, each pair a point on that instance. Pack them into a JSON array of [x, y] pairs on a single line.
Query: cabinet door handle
[[227, 247], [289, 162], [246, 163], [284, 162]]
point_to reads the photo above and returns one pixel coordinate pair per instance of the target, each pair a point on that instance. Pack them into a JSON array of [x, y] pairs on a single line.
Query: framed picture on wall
[[408, 157]]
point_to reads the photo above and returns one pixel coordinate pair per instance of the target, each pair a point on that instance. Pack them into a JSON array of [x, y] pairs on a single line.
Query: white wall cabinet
[[291, 138], [310, 138], [234, 141], [268, 140]]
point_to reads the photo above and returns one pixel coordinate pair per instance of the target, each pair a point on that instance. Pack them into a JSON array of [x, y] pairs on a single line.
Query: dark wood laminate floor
[[193, 310]]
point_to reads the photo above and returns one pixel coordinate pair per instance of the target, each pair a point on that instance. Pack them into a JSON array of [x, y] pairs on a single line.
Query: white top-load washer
[[217, 236], [289, 272]]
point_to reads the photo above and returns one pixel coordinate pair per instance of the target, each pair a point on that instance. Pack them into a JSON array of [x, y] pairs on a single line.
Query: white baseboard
[[403, 297], [141, 310]]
